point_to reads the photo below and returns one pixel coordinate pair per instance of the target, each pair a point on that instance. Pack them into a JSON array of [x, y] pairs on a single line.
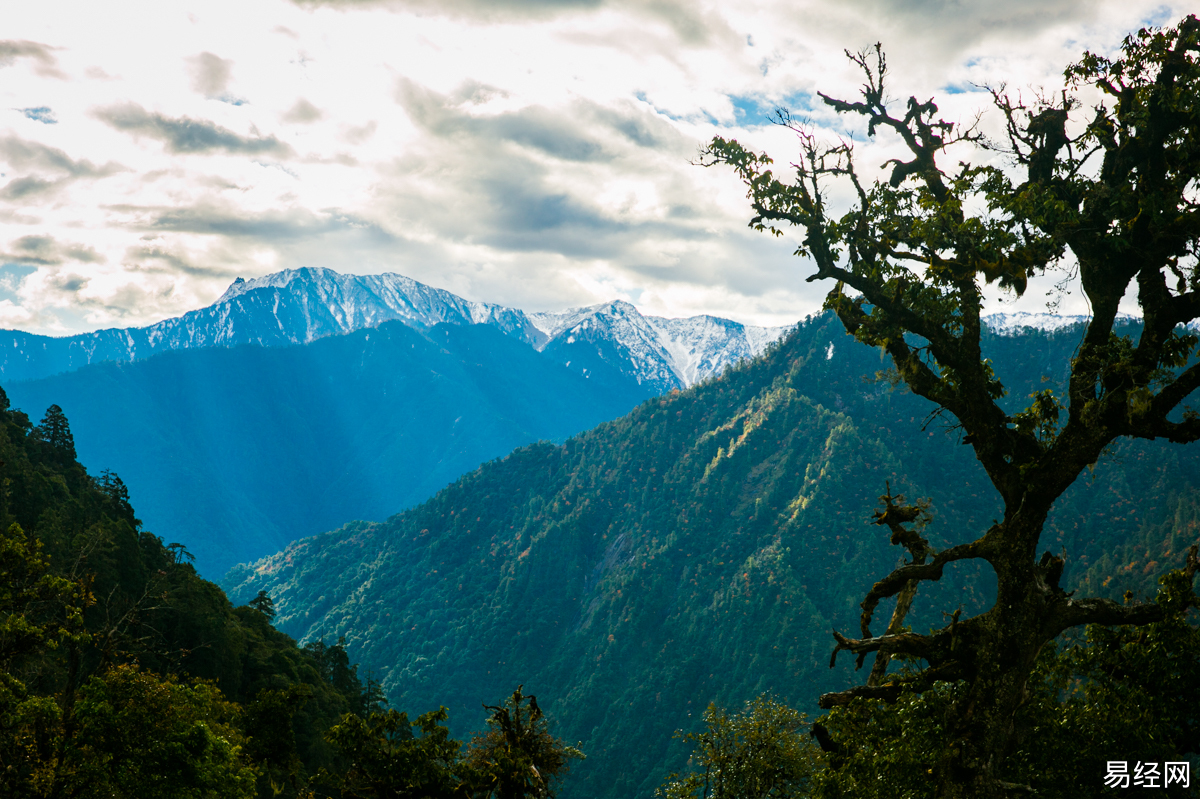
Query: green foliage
[[37, 609], [517, 758], [1118, 694], [387, 761], [122, 672], [764, 752], [137, 734], [699, 550], [887, 750], [1115, 693], [55, 432], [263, 604]]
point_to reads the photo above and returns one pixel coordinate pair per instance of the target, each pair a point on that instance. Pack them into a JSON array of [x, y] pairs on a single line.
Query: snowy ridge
[[297, 306], [1007, 324], [351, 302], [702, 346], [664, 353]]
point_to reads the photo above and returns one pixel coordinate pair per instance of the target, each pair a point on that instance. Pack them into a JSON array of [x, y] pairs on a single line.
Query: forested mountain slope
[[699, 549], [238, 451], [122, 672]]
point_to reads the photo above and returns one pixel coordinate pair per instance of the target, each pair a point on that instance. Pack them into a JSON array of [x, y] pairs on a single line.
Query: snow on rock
[[1007, 324], [299, 305], [664, 353]]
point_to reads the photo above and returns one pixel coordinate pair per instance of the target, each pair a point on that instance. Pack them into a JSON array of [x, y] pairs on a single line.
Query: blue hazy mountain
[[278, 411], [297, 306], [237, 451]]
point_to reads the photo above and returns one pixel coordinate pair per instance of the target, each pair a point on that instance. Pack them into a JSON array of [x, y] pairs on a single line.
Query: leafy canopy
[[1115, 195]]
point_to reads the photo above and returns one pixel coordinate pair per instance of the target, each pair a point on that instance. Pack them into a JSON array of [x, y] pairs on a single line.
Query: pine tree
[[55, 430]]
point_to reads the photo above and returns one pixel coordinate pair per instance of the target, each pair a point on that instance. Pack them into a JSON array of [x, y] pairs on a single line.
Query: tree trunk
[[1002, 659]]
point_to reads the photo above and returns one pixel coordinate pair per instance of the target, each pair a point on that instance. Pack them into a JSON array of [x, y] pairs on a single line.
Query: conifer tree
[[56, 431]]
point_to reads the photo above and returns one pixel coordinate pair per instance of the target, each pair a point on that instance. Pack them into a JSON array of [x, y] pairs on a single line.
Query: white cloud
[[529, 152]]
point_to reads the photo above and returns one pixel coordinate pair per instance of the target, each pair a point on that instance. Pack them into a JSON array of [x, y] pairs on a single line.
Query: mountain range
[[305, 399], [298, 306], [701, 549]]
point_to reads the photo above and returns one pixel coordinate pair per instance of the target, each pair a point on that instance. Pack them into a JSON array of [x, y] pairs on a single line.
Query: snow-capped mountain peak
[[1011, 323], [664, 353], [296, 306]]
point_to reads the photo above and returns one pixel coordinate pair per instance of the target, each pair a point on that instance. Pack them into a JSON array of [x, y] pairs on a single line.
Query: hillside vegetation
[[699, 549], [123, 673]]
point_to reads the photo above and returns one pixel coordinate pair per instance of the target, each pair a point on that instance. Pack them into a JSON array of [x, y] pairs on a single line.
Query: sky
[[538, 154]]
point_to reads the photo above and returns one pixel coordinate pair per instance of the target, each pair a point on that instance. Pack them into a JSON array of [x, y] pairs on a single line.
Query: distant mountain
[[290, 307], [301, 305], [1016, 321], [663, 354], [700, 550], [237, 451]]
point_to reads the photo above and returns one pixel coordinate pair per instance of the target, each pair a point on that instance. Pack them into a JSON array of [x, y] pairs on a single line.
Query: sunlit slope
[[699, 549]]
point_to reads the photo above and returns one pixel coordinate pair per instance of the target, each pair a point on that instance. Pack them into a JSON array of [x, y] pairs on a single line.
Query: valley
[[308, 398], [700, 549]]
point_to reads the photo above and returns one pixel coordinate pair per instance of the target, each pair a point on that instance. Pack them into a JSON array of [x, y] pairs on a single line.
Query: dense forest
[[123, 673], [701, 549]]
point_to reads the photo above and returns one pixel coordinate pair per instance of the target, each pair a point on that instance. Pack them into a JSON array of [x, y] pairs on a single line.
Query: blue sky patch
[[1158, 18], [41, 114], [11, 277], [750, 110]]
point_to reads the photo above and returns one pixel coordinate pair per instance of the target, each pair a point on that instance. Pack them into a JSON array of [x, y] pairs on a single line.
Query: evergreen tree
[[56, 432], [263, 604]]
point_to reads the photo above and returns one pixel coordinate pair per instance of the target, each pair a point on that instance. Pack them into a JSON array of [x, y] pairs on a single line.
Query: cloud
[[240, 229], [302, 113], [210, 74], [45, 64], [361, 133], [554, 134], [29, 186], [692, 24], [45, 250], [210, 77], [162, 259], [964, 23], [40, 114], [184, 135], [69, 283], [497, 179], [477, 9], [21, 154], [228, 221], [11, 278]]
